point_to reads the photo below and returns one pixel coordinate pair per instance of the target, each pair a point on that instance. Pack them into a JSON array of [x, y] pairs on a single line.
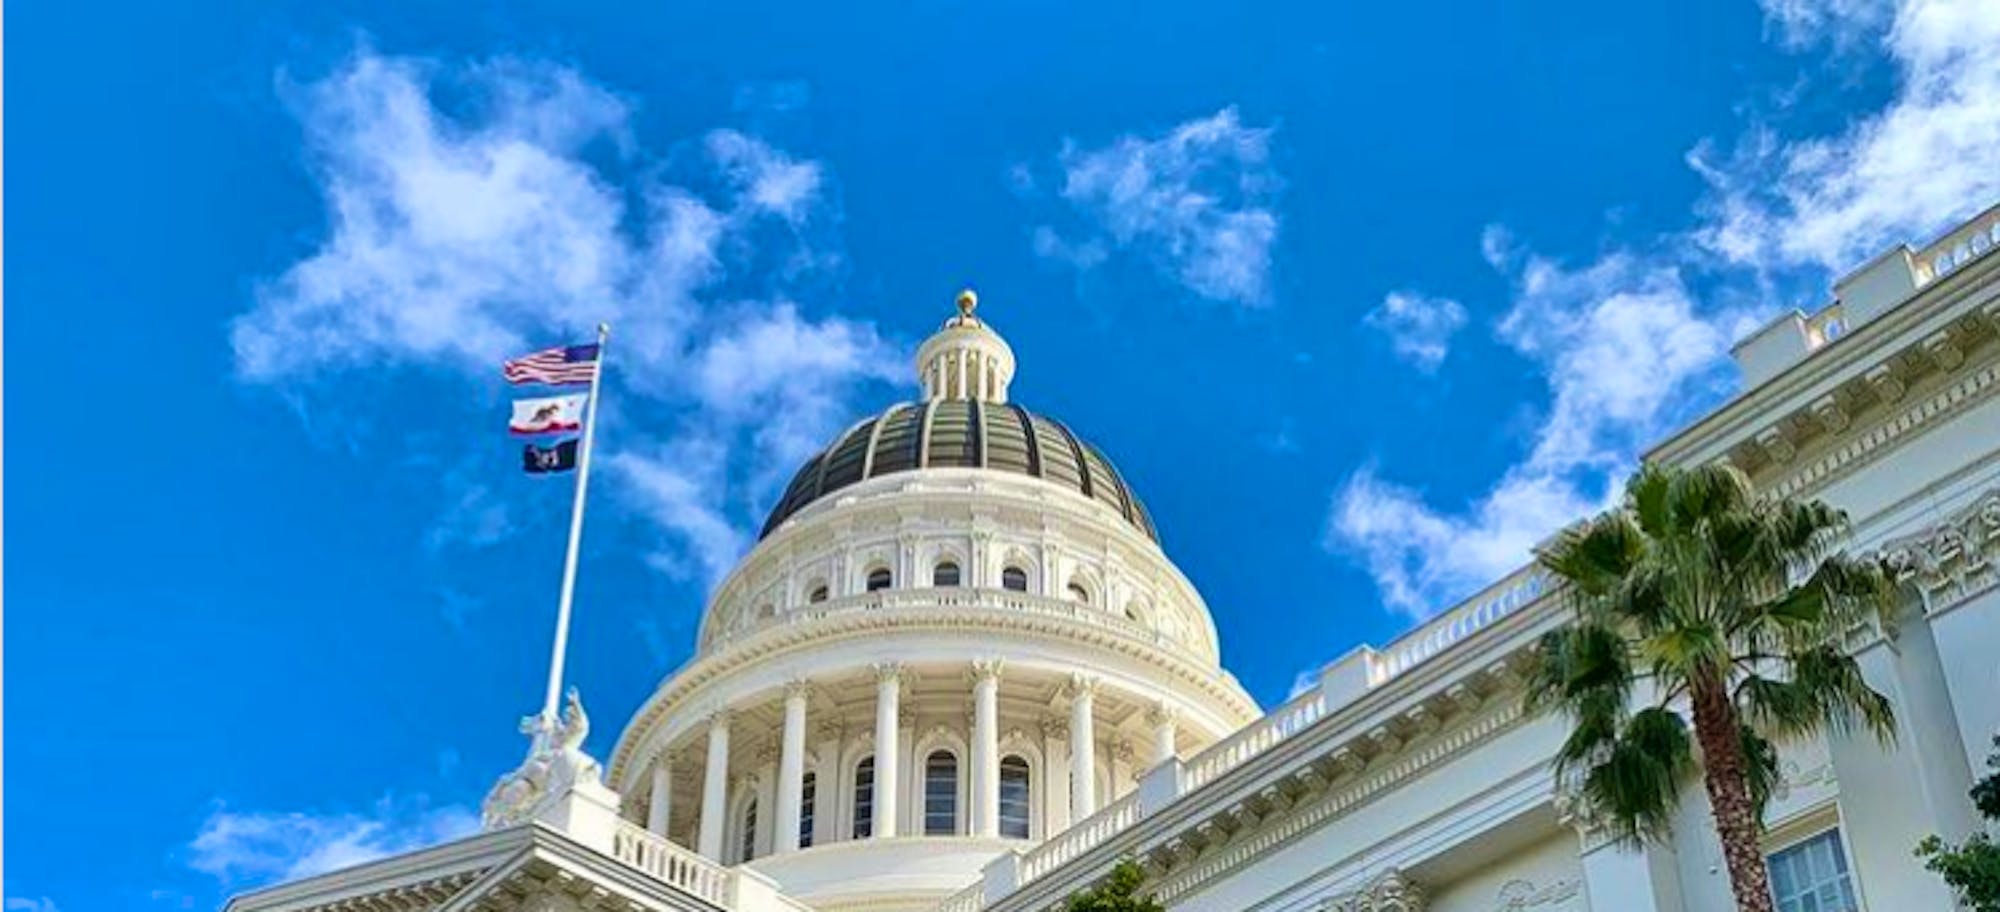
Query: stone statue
[[555, 764]]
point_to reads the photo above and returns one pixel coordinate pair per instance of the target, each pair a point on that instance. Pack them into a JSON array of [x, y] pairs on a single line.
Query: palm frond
[[1634, 789], [1594, 556], [1760, 767]]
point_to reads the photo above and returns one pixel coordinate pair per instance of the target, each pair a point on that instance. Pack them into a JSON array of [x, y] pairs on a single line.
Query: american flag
[[564, 364]]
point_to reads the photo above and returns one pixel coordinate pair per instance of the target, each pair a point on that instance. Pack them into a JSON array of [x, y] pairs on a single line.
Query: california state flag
[[549, 415]]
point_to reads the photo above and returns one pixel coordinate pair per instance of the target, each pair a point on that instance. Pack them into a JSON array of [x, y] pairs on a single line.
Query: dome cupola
[[965, 359]]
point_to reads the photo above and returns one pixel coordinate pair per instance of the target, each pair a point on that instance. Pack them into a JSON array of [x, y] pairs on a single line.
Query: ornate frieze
[[1954, 559], [1391, 892], [1519, 895]]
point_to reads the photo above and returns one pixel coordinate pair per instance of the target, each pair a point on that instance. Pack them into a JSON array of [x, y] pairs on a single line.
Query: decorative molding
[[1867, 446], [1954, 559], [1390, 892], [984, 669], [1278, 830], [1520, 894]]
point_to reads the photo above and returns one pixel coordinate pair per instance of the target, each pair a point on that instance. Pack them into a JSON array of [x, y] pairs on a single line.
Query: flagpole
[[575, 531]]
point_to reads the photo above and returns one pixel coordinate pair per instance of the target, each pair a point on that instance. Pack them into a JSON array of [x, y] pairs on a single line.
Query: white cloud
[[453, 241], [1195, 202], [768, 179], [1419, 327], [239, 849], [1626, 353], [1629, 351], [1923, 162], [29, 904]]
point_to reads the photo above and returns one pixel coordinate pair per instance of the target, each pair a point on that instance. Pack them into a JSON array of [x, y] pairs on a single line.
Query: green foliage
[[1973, 867], [1118, 893], [1691, 587]]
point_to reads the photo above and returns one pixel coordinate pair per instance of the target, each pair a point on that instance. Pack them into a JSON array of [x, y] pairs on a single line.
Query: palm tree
[[1733, 612]]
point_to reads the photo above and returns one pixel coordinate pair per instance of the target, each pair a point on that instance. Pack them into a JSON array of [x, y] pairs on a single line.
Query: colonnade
[[982, 768]]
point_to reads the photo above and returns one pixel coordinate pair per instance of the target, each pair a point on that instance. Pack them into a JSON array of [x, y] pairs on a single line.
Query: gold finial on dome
[[968, 301]]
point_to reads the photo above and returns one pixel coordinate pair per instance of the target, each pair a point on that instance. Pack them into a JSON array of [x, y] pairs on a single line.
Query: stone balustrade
[[673, 865], [1969, 242]]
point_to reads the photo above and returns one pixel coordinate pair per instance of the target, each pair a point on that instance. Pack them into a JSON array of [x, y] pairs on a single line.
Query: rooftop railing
[[1964, 244], [673, 865], [1497, 601]]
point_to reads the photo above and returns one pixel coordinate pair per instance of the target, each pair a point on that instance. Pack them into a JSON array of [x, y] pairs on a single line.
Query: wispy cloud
[[1628, 350], [1924, 160], [456, 239], [30, 904], [1419, 327], [241, 849], [1195, 202]]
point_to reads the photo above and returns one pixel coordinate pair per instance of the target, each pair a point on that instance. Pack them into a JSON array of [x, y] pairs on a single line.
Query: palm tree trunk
[[1723, 773]]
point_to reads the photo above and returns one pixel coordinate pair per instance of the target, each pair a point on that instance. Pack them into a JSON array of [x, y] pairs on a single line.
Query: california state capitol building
[[958, 673]]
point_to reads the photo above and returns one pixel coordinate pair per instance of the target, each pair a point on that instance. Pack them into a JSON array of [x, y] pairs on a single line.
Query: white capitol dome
[[960, 577]]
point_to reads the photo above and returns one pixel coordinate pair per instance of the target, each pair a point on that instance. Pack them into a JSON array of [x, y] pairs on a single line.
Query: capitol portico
[[958, 673]]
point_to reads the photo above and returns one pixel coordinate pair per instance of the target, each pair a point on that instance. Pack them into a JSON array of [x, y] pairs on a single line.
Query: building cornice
[[1818, 399], [1411, 724]]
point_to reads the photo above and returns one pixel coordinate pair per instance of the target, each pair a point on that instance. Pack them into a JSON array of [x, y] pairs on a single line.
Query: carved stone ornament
[[1953, 559], [555, 764], [1520, 894], [1391, 892]]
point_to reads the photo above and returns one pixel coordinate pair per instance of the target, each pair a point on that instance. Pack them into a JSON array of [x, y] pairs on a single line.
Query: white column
[[985, 776], [791, 769], [1166, 725], [888, 690], [1054, 782], [659, 808], [958, 358], [1628, 880], [1082, 747], [714, 787]]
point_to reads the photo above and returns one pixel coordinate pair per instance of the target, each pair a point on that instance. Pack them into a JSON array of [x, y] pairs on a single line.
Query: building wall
[[1543, 876]]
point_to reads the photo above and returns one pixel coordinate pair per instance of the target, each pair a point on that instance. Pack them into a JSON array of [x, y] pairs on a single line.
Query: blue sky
[[1362, 300]]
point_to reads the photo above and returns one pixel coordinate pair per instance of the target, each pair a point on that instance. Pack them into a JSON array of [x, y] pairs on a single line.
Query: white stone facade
[[1408, 780]]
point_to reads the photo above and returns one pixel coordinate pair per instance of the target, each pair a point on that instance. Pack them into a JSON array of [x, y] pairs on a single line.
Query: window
[[749, 843], [818, 593], [1014, 797], [1015, 579], [1076, 591], [940, 794], [945, 574], [878, 578], [806, 796], [1812, 877], [864, 798]]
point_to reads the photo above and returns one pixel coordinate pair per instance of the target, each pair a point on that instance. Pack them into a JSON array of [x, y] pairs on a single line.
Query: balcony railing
[[673, 865]]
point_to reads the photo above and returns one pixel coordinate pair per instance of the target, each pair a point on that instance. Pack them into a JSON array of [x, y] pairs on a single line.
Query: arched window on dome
[[1078, 592], [817, 593], [747, 846], [808, 788], [1014, 579], [945, 574], [1014, 792], [940, 794], [864, 798], [879, 578]]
